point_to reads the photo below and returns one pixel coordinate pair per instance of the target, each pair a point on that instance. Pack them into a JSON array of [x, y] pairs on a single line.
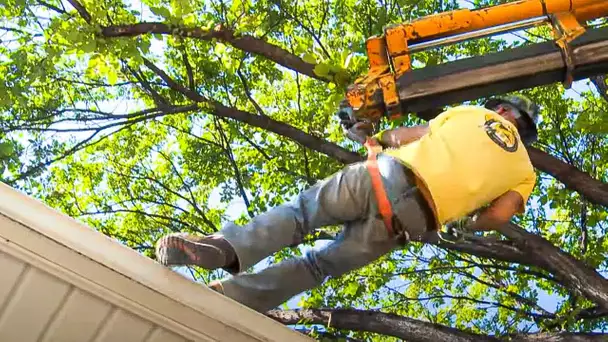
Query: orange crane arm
[[389, 54], [465, 20]]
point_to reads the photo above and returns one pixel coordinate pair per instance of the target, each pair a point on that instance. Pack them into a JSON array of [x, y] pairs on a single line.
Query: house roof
[[63, 281]]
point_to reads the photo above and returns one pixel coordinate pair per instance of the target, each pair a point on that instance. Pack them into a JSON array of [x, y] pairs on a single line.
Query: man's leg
[[359, 244], [343, 197]]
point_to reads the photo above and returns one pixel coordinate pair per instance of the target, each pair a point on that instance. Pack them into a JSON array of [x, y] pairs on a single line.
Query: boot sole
[[176, 250]]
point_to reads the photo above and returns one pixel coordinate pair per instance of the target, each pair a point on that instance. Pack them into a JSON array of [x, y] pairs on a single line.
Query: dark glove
[[358, 131], [354, 129]]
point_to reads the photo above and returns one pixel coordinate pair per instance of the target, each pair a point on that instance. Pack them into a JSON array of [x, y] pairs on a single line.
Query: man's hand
[[500, 212], [492, 218], [458, 229], [357, 131]]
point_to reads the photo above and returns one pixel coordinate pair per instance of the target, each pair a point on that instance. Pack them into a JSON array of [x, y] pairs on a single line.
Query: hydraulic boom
[[391, 87]]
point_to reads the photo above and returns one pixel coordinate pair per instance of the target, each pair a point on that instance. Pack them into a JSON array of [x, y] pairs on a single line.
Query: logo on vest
[[503, 135]]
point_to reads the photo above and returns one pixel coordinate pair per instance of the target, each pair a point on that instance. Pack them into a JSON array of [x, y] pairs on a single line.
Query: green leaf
[[189, 19], [112, 76], [161, 12], [89, 46], [309, 58], [352, 288], [6, 149], [144, 45], [72, 36], [322, 70]]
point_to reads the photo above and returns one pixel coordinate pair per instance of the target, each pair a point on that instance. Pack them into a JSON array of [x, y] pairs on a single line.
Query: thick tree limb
[[569, 271], [533, 250], [377, 322], [600, 83], [594, 190], [499, 251], [288, 131], [264, 122], [409, 329], [224, 34], [559, 337]]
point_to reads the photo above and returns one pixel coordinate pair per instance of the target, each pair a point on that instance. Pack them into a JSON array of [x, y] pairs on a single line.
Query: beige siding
[[79, 319], [36, 306], [63, 282], [161, 335], [123, 326], [34, 300], [12, 271]]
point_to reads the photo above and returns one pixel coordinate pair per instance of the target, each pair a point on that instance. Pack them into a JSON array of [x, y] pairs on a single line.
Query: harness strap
[[384, 205]]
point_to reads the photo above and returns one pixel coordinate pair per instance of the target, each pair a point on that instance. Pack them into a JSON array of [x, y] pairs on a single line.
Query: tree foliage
[[143, 118]]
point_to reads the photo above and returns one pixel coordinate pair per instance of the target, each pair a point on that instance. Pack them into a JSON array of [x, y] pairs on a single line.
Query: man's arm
[[402, 135], [500, 212]]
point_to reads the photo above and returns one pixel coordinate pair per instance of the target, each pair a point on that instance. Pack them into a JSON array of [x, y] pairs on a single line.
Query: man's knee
[[337, 260]]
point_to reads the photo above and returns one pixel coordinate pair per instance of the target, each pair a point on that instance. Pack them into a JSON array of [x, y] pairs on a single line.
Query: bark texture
[[601, 84], [592, 189], [572, 273], [222, 33], [411, 330], [378, 322]]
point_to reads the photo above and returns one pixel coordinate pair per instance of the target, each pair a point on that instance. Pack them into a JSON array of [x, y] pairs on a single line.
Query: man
[[466, 158]]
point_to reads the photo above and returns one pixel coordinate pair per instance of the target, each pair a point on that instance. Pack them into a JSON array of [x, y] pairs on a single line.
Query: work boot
[[209, 252]]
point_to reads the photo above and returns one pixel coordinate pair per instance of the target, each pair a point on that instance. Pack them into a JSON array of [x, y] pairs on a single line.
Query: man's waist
[[423, 197], [416, 188]]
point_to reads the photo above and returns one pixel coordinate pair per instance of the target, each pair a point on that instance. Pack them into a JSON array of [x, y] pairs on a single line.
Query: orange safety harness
[[384, 205]]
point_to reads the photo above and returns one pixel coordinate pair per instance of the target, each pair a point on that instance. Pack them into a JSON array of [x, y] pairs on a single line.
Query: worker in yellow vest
[[467, 158]]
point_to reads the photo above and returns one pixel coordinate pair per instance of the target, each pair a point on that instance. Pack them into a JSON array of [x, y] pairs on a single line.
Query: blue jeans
[[345, 198]]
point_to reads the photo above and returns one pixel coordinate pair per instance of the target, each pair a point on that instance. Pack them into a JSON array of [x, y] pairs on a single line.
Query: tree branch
[[500, 251], [601, 84], [81, 10], [571, 272], [376, 322], [306, 28], [248, 92], [158, 99], [52, 7], [190, 73], [407, 328], [167, 188], [237, 173], [224, 34], [283, 129], [143, 213], [192, 200], [594, 190], [519, 298], [288, 131]]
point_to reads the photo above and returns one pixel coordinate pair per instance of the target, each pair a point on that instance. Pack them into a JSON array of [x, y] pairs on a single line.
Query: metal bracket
[[566, 28], [375, 95]]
